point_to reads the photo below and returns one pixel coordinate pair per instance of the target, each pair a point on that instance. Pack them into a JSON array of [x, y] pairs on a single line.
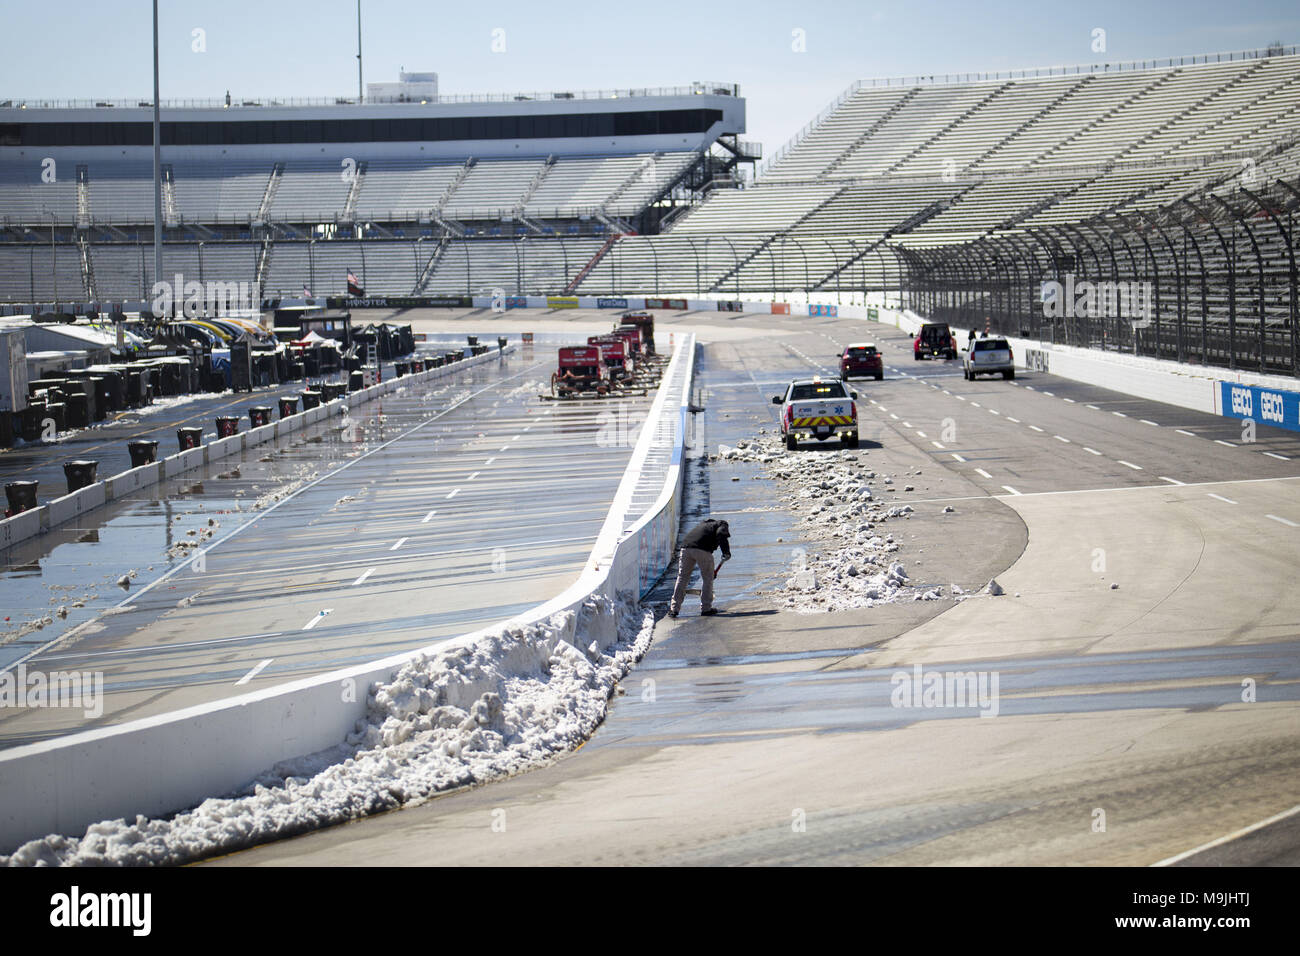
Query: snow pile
[[448, 718], [857, 565]]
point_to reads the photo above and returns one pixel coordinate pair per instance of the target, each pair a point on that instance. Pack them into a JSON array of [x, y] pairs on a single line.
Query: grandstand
[[958, 195]]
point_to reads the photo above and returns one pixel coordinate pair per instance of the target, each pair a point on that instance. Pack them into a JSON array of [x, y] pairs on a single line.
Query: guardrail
[[55, 512], [163, 764]]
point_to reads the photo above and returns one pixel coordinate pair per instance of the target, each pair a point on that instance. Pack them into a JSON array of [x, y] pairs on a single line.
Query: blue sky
[[80, 49]]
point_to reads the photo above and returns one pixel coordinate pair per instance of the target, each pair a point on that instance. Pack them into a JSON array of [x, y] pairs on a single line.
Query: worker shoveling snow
[[449, 718], [850, 559]]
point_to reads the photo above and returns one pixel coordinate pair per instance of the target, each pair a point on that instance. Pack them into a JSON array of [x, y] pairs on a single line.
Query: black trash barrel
[[21, 495], [288, 405], [79, 474], [501, 343], [259, 415], [310, 399], [473, 339], [356, 381], [59, 412], [143, 451], [416, 366], [78, 410], [189, 438], [227, 425]]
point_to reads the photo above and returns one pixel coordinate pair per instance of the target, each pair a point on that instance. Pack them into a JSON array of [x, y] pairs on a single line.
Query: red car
[[861, 359]]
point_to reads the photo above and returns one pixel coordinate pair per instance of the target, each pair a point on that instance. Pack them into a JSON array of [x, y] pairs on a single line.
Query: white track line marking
[[1010, 489], [1035, 428], [1031, 388], [935, 443], [1129, 464], [957, 456], [1284, 521], [429, 517], [1091, 451], [318, 618], [1059, 438], [1010, 419], [1093, 407], [400, 542], [363, 577], [1071, 401], [959, 398], [907, 424], [1119, 414], [983, 472], [1049, 394], [1147, 421], [893, 416], [452, 494], [994, 411], [254, 672], [976, 405], [1220, 441], [1172, 481], [1187, 433], [489, 461], [1278, 457], [922, 434], [1169, 861], [1221, 498], [472, 476], [505, 448]]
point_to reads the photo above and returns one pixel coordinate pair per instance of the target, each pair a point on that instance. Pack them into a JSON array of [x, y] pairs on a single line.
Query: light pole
[[157, 161], [54, 260]]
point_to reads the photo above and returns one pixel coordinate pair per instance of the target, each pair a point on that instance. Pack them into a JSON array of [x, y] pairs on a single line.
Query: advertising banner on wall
[[677, 305], [561, 301], [611, 303], [730, 307], [780, 308], [399, 302], [1265, 406], [825, 310]]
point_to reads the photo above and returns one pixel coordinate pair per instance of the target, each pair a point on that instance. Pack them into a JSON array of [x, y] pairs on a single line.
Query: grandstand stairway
[[87, 268], [83, 196], [1146, 90], [268, 195], [735, 269], [957, 121], [168, 178], [1046, 111], [591, 263], [868, 132], [354, 193], [434, 258]]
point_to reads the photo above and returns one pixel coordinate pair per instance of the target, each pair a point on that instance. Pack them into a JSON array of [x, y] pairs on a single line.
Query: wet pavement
[[430, 513]]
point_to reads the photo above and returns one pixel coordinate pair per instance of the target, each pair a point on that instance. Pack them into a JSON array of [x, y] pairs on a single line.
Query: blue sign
[[611, 303], [1265, 406], [828, 310]]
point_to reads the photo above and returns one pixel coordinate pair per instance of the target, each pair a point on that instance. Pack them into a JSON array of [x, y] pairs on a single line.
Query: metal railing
[[695, 89]]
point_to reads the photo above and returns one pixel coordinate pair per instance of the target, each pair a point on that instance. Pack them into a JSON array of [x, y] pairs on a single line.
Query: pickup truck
[[988, 357], [813, 408]]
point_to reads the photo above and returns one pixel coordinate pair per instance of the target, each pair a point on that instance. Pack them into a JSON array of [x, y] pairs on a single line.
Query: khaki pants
[[687, 560]]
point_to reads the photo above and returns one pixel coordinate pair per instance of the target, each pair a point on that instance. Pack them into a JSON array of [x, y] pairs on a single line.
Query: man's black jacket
[[709, 536]]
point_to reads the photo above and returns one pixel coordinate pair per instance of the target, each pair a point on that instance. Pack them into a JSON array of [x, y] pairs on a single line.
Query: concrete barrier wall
[[164, 764], [21, 527]]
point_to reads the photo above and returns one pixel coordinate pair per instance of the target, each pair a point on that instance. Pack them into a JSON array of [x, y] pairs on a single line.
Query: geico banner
[[1265, 406], [561, 301], [611, 303]]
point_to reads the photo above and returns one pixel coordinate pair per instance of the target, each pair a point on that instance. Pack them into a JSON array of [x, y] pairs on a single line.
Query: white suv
[[988, 357]]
